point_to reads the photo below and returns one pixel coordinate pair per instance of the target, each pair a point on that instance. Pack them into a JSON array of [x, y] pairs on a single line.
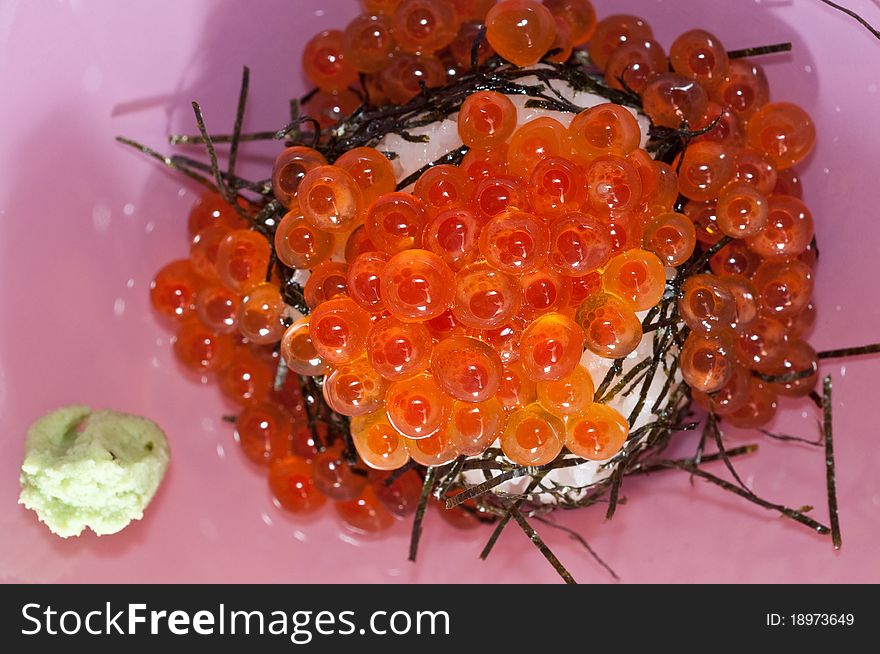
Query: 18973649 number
[[810, 620]]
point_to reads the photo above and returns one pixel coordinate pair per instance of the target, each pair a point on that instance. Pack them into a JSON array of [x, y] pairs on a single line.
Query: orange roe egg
[[263, 430], [614, 184], [532, 436], [579, 15], [758, 345], [474, 426], [466, 369], [453, 235], [636, 276], [300, 245], [442, 187], [417, 407], [515, 242], [354, 389], [533, 141], [672, 237], [403, 78], [357, 243], [633, 64], [735, 258], [434, 450], [606, 128], [383, 6], [371, 170], [744, 298], [671, 100], [743, 88], [758, 409], [291, 483], [298, 351], [481, 163], [243, 259], [338, 329], [363, 280], [551, 347], [200, 349], [583, 287], [424, 26], [212, 209], [217, 307], [704, 170], [556, 187], [398, 350], [330, 108], [173, 290], [706, 305], [516, 390], [730, 397], [544, 291], [401, 495], [567, 396], [784, 131], [521, 31], [613, 32], [799, 367], [485, 298], [330, 199], [204, 248], [597, 433], [365, 514], [626, 230], [753, 168], [396, 221], [788, 182], [665, 192], [505, 338], [462, 45], [699, 54], [486, 119], [562, 42], [579, 244], [246, 378], [801, 324], [611, 327], [495, 195], [706, 362], [741, 210], [334, 477], [788, 230], [261, 315], [443, 325], [783, 288], [727, 130], [367, 43], [378, 443], [324, 62], [327, 281], [290, 167], [417, 285]]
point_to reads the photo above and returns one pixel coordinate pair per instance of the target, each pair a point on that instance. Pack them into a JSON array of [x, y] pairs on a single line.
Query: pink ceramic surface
[[85, 222]]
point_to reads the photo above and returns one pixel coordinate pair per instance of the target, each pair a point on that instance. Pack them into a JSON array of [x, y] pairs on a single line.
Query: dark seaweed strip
[[505, 518], [427, 488], [450, 476], [453, 157], [787, 377], [542, 546], [855, 16], [394, 475], [874, 348], [648, 467], [212, 156], [830, 476], [192, 139], [760, 50], [616, 481], [580, 539], [793, 514], [233, 182], [719, 444], [787, 438], [239, 119], [169, 162], [636, 369]]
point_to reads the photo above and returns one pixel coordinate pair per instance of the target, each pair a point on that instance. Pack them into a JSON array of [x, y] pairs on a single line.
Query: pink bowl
[[75, 267]]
